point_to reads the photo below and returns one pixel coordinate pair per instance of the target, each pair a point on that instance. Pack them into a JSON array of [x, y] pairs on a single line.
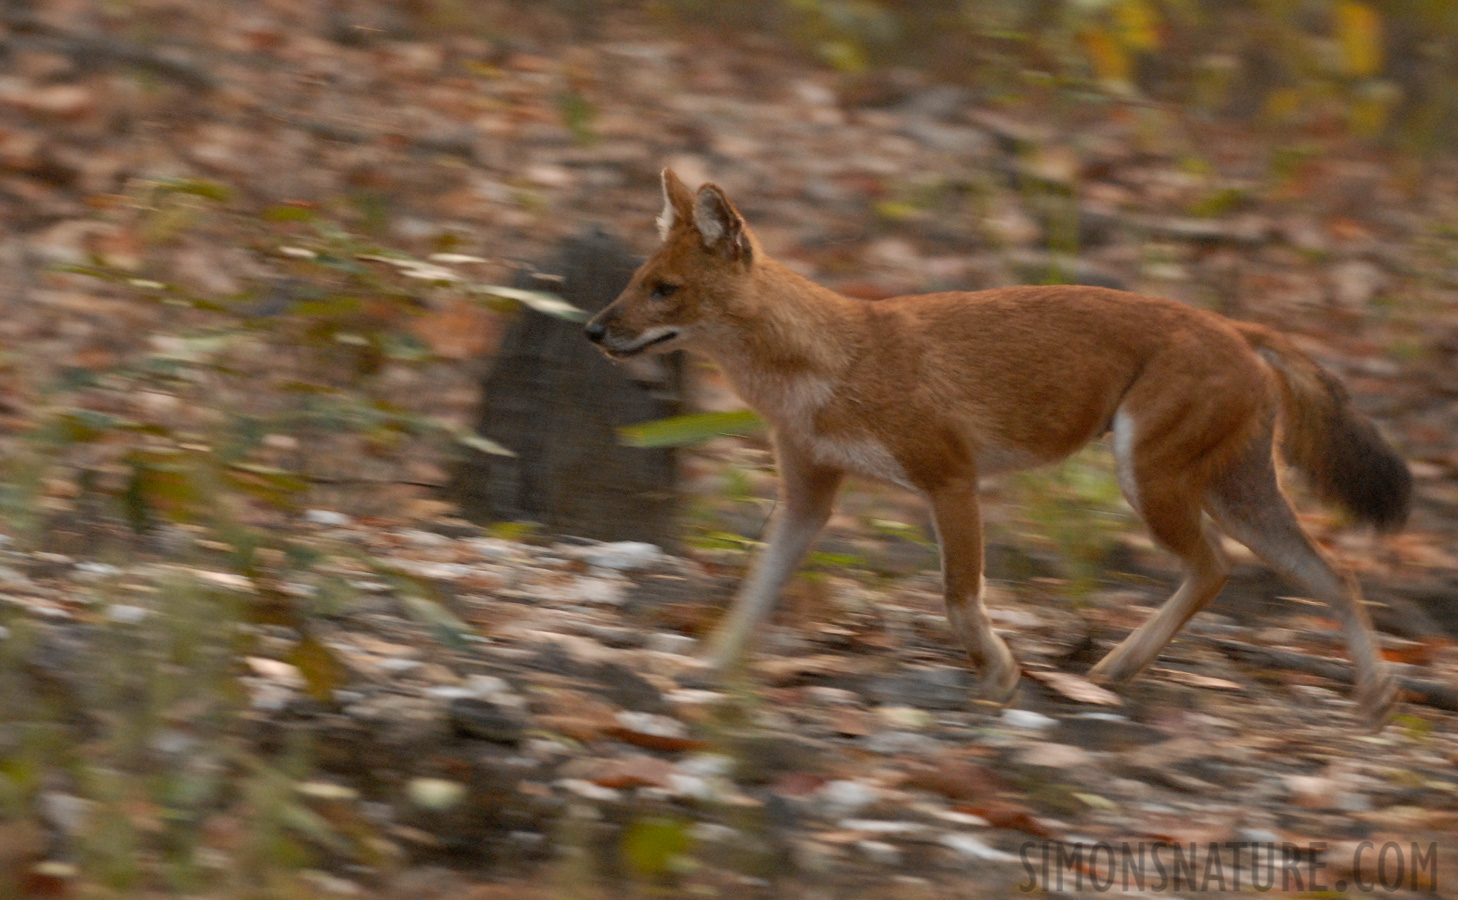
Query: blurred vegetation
[[1378, 69], [198, 426], [196, 448], [135, 747]]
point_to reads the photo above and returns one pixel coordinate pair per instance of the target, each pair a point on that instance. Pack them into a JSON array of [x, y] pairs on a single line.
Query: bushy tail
[[1344, 458]]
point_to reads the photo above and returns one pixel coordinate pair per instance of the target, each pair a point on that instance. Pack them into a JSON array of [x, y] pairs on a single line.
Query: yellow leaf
[[1282, 104], [1359, 29], [1138, 23], [1111, 62], [1371, 108]]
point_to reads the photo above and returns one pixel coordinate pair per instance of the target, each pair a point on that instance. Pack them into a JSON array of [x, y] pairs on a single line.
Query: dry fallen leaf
[[635, 771], [851, 722], [1074, 687], [1179, 676]]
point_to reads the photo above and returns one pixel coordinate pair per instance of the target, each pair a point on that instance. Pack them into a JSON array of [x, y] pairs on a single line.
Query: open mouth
[[650, 339]]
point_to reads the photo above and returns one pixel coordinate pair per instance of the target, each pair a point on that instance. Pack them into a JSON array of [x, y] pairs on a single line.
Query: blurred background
[[334, 563]]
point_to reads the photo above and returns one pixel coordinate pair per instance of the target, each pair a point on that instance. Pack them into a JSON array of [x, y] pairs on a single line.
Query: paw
[[998, 686], [699, 672], [1106, 674], [1376, 698], [1112, 671]]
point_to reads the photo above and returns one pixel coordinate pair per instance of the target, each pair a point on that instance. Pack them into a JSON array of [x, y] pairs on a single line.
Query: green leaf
[[277, 487], [115, 276], [320, 666], [483, 444], [447, 628], [199, 187], [304, 821], [82, 426], [541, 301], [289, 213], [696, 428], [422, 603], [651, 845]]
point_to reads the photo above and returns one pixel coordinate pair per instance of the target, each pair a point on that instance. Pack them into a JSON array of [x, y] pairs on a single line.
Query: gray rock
[[1105, 731], [628, 689], [939, 688], [486, 720]]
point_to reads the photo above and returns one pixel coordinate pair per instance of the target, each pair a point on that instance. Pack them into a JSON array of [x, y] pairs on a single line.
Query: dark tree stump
[[554, 400]]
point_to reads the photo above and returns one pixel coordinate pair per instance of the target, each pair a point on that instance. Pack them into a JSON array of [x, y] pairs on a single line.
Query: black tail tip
[[1379, 490]]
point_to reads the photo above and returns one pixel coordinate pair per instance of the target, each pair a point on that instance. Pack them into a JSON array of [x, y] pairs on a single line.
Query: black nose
[[595, 331]]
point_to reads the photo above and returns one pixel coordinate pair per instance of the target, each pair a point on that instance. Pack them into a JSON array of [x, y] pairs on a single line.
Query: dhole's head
[[685, 290]]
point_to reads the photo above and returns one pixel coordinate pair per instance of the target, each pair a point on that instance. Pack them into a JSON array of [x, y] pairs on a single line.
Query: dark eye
[[664, 289]]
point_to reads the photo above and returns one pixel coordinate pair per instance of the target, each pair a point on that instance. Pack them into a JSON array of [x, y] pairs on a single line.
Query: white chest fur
[[793, 407], [860, 456]]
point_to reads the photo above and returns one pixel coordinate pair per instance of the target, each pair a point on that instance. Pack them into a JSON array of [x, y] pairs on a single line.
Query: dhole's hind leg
[[959, 531], [1248, 503], [1170, 507], [1174, 522]]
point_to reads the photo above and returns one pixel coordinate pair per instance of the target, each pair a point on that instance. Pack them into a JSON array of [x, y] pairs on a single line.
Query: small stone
[[707, 765], [713, 833], [398, 666], [436, 794], [66, 813], [588, 790], [670, 642], [649, 724], [449, 692], [599, 590], [907, 717], [623, 556], [97, 570], [1355, 283], [126, 614], [972, 848], [326, 517], [843, 798], [1027, 719], [880, 826], [961, 818], [328, 792], [879, 852], [694, 786], [486, 686]]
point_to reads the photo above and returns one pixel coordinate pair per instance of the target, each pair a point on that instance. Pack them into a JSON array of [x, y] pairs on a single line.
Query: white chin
[[655, 340]]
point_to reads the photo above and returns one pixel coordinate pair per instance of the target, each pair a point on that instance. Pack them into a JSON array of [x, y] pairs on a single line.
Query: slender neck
[[789, 325]]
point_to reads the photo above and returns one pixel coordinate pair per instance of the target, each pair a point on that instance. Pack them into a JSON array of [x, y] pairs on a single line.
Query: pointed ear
[[678, 204], [720, 224]]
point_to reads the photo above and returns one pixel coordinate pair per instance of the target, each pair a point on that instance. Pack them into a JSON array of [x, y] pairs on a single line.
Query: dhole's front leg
[[959, 530], [807, 491]]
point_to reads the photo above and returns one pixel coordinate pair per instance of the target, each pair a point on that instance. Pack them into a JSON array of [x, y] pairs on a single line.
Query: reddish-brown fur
[[932, 391]]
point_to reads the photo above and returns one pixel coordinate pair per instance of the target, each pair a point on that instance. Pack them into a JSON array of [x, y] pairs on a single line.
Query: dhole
[[930, 392]]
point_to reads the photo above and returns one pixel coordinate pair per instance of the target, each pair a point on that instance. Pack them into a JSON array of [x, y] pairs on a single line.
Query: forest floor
[[540, 732]]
